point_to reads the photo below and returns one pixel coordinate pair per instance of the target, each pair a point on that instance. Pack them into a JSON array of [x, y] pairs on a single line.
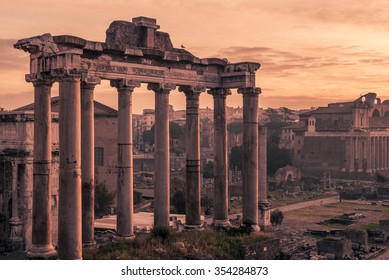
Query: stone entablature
[[133, 52]]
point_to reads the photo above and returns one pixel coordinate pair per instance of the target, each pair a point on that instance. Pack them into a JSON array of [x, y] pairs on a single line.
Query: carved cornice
[[250, 90], [219, 91], [161, 87]]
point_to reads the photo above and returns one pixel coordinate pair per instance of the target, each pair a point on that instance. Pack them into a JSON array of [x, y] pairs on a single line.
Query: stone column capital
[[124, 84], [40, 80], [219, 91], [250, 90], [67, 74], [163, 88], [90, 82], [191, 91]]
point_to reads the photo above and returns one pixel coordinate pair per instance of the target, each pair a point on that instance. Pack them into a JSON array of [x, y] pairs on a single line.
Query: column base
[[254, 227], [121, 239], [343, 169], [221, 223], [369, 171], [360, 170], [193, 228], [264, 220], [42, 252], [89, 244]]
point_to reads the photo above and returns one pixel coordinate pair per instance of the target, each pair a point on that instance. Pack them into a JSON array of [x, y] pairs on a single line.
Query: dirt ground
[[300, 220]]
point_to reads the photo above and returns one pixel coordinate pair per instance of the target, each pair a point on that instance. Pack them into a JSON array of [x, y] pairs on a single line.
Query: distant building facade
[[348, 140], [16, 166]]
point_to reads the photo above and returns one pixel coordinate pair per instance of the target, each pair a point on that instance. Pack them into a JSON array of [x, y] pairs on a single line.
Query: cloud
[[11, 58]]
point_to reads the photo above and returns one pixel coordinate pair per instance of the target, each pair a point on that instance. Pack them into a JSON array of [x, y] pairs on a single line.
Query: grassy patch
[[207, 244]]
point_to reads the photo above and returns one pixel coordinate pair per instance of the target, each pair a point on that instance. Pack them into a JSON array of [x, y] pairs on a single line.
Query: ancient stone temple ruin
[[133, 53]]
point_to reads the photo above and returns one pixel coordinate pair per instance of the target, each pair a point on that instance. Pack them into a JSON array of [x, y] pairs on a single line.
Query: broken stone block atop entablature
[[140, 33]]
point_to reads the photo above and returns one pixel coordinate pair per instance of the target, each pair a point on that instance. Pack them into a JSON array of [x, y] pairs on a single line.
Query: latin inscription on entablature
[[148, 72], [111, 68]]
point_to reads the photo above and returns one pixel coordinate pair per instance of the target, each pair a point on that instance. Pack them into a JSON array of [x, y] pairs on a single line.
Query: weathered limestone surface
[[264, 205], [220, 217], [41, 214], [88, 161], [125, 186], [162, 154], [70, 210], [250, 156], [132, 51], [193, 188]]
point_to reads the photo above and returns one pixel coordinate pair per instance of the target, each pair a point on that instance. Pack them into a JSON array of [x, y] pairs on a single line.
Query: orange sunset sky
[[312, 52]]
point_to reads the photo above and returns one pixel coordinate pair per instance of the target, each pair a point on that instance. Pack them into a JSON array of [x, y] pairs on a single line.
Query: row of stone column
[[76, 191], [368, 153]]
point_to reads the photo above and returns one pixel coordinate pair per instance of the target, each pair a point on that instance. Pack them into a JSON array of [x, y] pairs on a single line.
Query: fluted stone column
[[368, 146], [352, 154], [385, 153], [125, 182], [162, 154], [377, 155], [380, 151], [15, 221], [70, 209], [360, 154], [88, 160], [220, 216], [263, 203], [373, 157], [250, 156], [42, 247], [193, 180]]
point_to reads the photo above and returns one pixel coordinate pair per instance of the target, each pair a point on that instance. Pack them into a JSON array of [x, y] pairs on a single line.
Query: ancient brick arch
[[133, 53], [376, 114]]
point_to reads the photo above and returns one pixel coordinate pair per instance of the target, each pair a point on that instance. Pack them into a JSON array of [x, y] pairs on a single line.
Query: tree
[[235, 128], [236, 158], [179, 202], [176, 131], [148, 136], [276, 217], [286, 112], [208, 170], [103, 199], [276, 158]]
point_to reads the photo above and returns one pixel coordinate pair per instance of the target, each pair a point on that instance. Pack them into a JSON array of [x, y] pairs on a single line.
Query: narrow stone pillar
[[368, 146], [380, 151], [220, 216], [125, 183], [88, 160], [250, 156], [372, 154], [193, 180], [70, 209], [42, 247], [385, 153], [263, 203], [162, 154], [352, 154], [360, 153], [15, 221], [377, 156]]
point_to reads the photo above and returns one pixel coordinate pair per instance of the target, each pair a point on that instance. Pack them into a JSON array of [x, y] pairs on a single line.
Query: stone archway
[[376, 114]]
